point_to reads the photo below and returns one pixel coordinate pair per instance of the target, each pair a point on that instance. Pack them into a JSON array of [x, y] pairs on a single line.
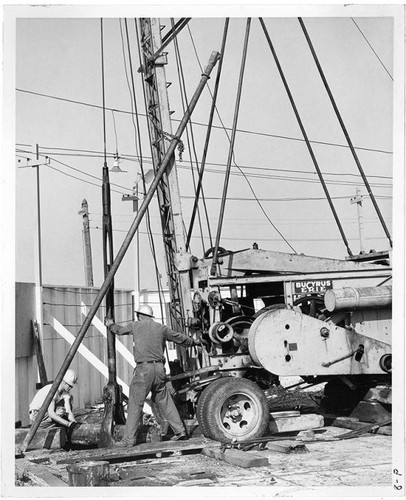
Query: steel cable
[[303, 130], [344, 129]]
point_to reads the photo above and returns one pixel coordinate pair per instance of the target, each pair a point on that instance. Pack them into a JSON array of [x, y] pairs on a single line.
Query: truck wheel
[[236, 410], [201, 404]]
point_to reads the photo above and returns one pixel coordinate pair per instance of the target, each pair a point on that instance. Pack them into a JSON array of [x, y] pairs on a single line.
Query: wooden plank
[[196, 482], [136, 452], [53, 438], [38, 474], [297, 423], [285, 414], [355, 424], [240, 458]]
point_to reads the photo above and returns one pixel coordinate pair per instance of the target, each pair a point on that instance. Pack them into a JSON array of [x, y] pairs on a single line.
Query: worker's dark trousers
[[149, 377]]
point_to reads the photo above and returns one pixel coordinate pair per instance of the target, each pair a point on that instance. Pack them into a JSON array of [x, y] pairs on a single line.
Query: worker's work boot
[[182, 436]]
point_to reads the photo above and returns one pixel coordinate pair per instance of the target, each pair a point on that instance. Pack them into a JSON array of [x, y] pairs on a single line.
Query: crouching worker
[[59, 411], [149, 375]]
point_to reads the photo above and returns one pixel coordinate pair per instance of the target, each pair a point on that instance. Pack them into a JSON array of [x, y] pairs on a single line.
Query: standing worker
[[149, 375]]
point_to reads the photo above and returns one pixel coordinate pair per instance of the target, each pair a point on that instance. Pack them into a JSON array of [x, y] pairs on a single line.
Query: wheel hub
[[238, 414], [234, 412]]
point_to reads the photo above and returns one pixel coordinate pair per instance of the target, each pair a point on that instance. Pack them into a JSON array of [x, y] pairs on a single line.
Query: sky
[[59, 57]]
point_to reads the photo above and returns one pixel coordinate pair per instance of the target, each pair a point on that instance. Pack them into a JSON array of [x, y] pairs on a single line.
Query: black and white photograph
[[203, 251]]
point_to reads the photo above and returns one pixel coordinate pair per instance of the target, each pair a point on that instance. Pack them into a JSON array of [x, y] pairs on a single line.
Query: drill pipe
[[122, 251]]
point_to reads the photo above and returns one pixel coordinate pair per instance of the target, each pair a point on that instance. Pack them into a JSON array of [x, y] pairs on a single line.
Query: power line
[[73, 176], [244, 131], [253, 175], [297, 179], [254, 221], [81, 172], [191, 197], [284, 199], [253, 238], [370, 46], [148, 159]]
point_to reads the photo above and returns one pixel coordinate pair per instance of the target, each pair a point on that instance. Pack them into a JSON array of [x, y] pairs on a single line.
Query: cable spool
[[221, 332]]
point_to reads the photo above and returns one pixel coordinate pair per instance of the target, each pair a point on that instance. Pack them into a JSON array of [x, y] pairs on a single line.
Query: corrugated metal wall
[[65, 305], [26, 378], [25, 362]]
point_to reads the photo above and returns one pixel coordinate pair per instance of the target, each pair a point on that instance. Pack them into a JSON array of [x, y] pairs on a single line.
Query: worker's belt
[[158, 361]]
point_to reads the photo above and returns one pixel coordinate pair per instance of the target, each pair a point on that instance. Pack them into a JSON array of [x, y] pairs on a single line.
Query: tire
[[250, 418], [201, 404]]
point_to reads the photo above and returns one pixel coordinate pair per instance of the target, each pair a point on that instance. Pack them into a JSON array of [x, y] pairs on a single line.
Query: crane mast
[[160, 129]]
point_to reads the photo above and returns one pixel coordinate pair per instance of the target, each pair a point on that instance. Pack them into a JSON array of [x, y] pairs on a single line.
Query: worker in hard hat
[[59, 411], [149, 339]]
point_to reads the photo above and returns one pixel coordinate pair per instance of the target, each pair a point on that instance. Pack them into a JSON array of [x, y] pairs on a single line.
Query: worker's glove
[[108, 322], [70, 428], [200, 342]]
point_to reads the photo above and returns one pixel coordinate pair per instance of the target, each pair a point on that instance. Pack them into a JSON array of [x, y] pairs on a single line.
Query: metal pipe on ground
[[122, 251]]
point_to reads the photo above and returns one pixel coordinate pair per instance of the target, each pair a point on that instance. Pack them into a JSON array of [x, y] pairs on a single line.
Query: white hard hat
[[145, 310], [70, 377]]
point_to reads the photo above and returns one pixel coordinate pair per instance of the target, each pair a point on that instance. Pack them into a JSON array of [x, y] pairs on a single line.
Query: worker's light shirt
[[39, 398]]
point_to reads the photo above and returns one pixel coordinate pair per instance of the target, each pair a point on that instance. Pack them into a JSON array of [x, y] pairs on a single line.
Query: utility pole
[[178, 262], [39, 289], [87, 248], [39, 218], [134, 197], [357, 199]]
